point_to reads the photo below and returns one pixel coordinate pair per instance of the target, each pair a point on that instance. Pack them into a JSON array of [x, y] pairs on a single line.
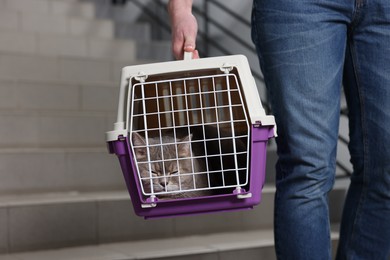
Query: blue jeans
[[307, 50]]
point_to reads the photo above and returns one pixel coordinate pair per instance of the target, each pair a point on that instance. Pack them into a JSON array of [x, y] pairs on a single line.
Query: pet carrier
[[191, 136]]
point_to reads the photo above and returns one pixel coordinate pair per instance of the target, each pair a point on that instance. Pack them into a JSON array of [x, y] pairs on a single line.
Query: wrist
[[179, 7]]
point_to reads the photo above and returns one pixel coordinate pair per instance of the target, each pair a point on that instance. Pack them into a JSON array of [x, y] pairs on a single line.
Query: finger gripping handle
[[187, 55]]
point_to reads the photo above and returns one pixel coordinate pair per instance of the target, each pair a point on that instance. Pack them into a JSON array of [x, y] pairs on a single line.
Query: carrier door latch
[[226, 68], [151, 202], [147, 206], [241, 193], [141, 77], [244, 196]]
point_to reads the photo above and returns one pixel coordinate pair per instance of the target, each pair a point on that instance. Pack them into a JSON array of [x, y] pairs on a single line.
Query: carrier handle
[[187, 55]]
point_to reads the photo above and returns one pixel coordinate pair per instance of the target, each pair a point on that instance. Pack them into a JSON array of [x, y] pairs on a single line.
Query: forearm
[[184, 28], [176, 7]]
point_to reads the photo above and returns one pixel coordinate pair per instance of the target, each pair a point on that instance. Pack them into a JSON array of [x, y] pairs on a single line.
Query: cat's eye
[[175, 172], [154, 172]]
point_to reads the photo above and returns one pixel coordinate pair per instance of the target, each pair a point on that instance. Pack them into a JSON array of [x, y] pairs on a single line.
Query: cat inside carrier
[[191, 136]]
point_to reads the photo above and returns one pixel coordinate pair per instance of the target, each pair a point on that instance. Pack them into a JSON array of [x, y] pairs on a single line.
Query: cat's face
[[168, 165]]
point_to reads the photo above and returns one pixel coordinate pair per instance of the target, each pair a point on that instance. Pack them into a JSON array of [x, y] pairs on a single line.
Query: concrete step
[[55, 220], [50, 34], [61, 8], [39, 68], [246, 245], [54, 129], [55, 113], [100, 71], [54, 24], [38, 221], [67, 46], [57, 95], [58, 169]]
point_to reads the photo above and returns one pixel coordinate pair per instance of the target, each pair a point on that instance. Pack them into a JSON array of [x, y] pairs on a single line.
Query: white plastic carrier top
[[140, 73]]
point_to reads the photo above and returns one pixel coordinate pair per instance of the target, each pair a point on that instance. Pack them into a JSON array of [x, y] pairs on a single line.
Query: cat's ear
[[184, 148], [138, 140]]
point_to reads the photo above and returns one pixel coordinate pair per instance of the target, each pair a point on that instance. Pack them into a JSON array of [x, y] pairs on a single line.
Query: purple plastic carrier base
[[191, 206]]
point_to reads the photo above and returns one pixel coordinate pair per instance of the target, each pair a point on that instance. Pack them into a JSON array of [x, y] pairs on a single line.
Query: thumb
[[189, 44]]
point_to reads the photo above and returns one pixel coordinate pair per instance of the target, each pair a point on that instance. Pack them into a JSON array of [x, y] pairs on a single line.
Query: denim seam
[[255, 39], [357, 15], [364, 141]]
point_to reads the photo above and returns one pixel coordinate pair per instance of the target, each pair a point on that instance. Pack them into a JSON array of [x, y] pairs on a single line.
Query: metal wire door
[[208, 110]]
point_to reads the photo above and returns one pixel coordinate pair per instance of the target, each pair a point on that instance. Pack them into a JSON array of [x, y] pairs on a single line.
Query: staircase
[[62, 196]]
